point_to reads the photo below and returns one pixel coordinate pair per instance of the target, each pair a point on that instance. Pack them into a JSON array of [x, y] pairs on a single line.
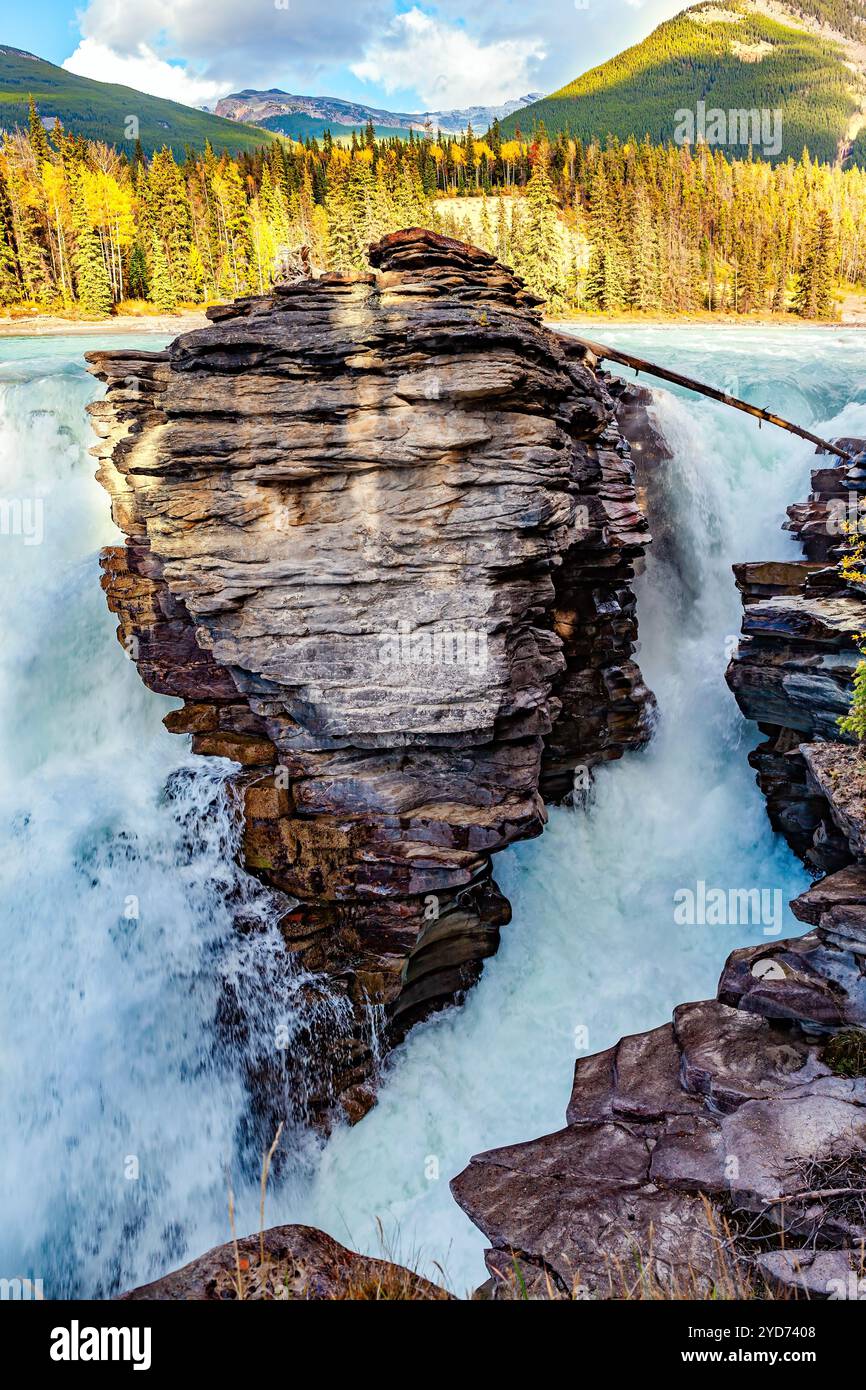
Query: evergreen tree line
[[85, 226], [662, 228]]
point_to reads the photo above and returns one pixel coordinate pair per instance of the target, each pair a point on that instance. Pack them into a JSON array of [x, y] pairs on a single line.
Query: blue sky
[[398, 54]]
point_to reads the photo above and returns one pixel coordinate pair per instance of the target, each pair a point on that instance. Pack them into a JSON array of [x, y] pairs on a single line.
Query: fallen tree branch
[[626, 359], [818, 1193]]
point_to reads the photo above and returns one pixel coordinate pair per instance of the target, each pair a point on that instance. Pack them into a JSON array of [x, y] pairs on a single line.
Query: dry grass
[[365, 1280], [361, 1279], [845, 1053], [644, 1277]]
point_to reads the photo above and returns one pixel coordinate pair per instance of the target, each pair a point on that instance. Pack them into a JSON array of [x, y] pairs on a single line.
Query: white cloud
[[465, 53], [445, 65], [145, 71], [228, 44]]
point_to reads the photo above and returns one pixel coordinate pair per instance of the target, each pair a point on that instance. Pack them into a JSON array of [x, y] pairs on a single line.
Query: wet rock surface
[[381, 532]]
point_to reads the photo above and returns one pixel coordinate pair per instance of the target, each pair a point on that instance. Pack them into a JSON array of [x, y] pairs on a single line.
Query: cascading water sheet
[[124, 1105]]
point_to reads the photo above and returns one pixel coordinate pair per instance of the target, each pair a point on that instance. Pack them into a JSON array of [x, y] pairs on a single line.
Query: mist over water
[[110, 1045]]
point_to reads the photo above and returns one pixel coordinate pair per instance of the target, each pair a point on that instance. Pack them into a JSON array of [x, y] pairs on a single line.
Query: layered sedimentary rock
[[380, 540], [721, 1151], [794, 668]]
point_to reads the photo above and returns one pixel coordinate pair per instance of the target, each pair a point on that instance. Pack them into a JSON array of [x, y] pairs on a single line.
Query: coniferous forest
[[86, 227]]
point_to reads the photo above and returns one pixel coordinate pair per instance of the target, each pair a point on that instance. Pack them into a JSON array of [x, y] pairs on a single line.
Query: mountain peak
[[307, 115]]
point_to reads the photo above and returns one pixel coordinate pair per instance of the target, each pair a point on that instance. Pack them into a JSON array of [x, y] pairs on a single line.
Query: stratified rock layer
[[380, 542], [793, 671]]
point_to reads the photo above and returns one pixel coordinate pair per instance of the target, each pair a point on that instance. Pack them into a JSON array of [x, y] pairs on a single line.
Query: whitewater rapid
[[117, 885], [130, 1009]]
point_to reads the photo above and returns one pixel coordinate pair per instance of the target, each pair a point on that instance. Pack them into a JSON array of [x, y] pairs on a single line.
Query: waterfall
[[133, 1014], [593, 951]]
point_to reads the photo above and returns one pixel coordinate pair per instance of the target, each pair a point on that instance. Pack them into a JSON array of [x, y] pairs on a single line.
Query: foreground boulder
[[381, 532], [300, 1264], [697, 1153]]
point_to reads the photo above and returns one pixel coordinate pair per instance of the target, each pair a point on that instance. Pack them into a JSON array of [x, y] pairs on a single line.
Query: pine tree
[[341, 237], [644, 289], [161, 285], [361, 193], [38, 138], [486, 240], [10, 286], [606, 277], [91, 275], [541, 261], [503, 241], [813, 296], [10, 280], [136, 276], [171, 219], [92, 283]]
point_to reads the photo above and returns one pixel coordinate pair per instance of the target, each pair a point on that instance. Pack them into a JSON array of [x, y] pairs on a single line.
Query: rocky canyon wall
[[793, 670], [380, 538]]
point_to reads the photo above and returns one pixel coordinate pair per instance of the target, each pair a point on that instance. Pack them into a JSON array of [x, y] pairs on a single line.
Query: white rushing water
[[123, 1109], [128, 1005]]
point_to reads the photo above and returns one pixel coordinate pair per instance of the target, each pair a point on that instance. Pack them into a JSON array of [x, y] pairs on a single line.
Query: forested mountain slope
[[101, 110], [806, 60]]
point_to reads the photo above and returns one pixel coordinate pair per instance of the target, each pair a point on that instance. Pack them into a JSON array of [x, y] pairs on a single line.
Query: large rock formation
[[380, 540]]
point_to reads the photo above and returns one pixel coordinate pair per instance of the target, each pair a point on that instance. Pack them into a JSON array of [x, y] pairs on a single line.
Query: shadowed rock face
[[380, 537]]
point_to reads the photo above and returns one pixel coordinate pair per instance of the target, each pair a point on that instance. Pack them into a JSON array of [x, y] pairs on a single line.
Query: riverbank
[[853, 315], [46, 325]]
